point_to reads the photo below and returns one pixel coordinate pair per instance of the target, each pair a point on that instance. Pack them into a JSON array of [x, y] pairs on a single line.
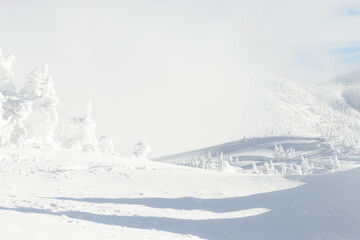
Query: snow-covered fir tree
[[202, 162], [305, 165], [42, 120], [255, 168], [267, 169], [272, 167], [16, 111], [231, 160], [105, 144], [30, 118], [221, 157], [334, 163], [6, 74], [80, 133], [298, 170], [291, 169], [281, 155], [5, 128], [283, 169]]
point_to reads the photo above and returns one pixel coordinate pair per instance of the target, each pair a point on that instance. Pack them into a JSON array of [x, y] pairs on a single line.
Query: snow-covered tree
[[209, 162], [290, 153], [141, 150], [305, 165], [202, 162], [281, 155], [272, 167], [225, 166], [283, 169], [12, 131], [5, 127], [6, 74], [80, 133], [29, 117], [267, 169], [298, 170], [291, 169], [255, 168], [15, 113], [105, 144], [42, 120], [334, 163], [221, 157]]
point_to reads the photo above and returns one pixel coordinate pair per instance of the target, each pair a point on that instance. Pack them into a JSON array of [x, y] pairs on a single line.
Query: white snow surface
[[49, 194]]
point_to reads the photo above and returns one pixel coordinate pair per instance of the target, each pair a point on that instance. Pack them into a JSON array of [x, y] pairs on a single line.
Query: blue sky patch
[[348, 50], [353, 12]]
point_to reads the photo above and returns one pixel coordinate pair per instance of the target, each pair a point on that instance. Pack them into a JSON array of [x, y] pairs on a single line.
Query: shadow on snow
[[326, 207]]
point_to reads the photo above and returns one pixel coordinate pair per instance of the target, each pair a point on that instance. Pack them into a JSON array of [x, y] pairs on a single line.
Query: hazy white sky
[[177, 74]]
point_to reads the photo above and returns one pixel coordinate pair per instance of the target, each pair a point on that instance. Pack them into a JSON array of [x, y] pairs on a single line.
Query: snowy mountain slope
[[329, 110], [348, 79], [61, 195]]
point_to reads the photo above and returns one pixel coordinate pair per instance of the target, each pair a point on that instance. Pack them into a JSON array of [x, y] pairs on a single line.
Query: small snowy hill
[[259, 149], [67, 195], [284, 154]]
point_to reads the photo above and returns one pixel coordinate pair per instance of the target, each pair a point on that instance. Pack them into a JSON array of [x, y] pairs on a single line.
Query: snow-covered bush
[[281, 155], [141, 150], [283, 169], [80, 133], [105, 144], [334, 163], [203, 163], [255, 168], [298, 170], [219, 163], [306, 169], [267, 169], [272, 167], [291, 169], [226, 167]]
